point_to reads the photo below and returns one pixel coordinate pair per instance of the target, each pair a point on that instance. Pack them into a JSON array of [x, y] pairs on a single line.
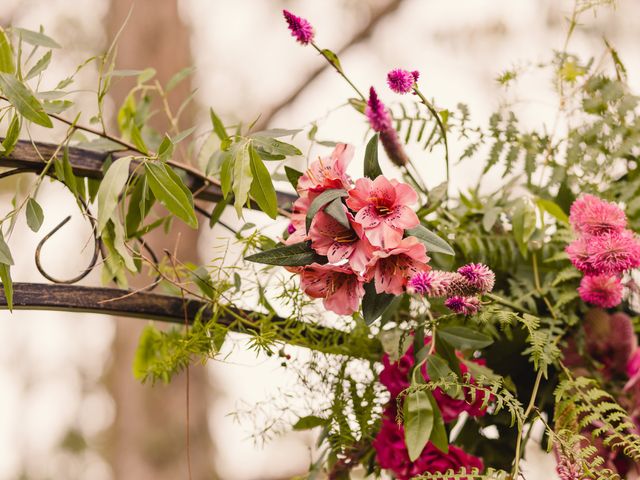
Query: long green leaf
[[262, 189], [418, 422], [296, 255], [275, 147], [37, 39], [23, 100], [432, 241], [13, 133], [321, 200], [439, 436], [218, 126], [371, 166], [374, 304], [6, 55], [464, 338], [293, 175], [40, 66], [7, 284], [171, 192], [110, 188]]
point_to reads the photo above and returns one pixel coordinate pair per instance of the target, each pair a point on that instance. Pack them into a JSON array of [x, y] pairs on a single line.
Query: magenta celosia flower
[[463, 305], [339, 286], [327, 172], [392, 454], [601, 290], [383, 211], [395, 377], [300, 28], [479, 276], [377, 113], [434, 283], [392, 268], [591, 215], [329, 237], [402, 81], [613, 252]]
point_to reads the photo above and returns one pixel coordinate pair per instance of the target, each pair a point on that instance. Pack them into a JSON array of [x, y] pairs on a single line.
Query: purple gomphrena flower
[[401, 81], [300, 28], [601, 290], [463, 305], [416, 75], [377, 113], [479, 276], [433, 283]]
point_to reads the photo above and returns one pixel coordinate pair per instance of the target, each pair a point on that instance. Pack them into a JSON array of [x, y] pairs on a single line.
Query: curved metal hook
[[94, 258]]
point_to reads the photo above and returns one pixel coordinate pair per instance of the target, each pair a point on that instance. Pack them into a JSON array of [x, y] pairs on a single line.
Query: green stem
[[338, 69], [443, 130], [532, 402]]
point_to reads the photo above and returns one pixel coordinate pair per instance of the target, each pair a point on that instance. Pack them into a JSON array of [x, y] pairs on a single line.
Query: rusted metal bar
[[88, 163], [172, 309]]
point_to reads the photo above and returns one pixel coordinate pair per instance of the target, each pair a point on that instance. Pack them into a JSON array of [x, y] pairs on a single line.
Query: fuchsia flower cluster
[[461, 288], [611, 344], [390, 446], [603, 250], [373, 247]]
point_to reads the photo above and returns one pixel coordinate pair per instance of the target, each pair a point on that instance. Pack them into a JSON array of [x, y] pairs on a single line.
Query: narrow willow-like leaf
[[275, 147], [553, 209], [218, 126], [110, 188], [37, 39], [35, 216], [296, 255], [432, 241], [171, 192], [418, 422], [217, 211], [5, 252], [464, 338], [371, 165], [262, 189], [6, 55], [40, 66], [23, 100], [242, 177], [7, 284], [13, 133]]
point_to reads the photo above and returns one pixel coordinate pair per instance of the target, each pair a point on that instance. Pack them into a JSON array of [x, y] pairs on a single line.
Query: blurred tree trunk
[[148, 438]]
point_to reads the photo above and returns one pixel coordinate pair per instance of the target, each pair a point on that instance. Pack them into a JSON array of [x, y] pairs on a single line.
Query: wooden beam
[[166, 308], [88, 163]]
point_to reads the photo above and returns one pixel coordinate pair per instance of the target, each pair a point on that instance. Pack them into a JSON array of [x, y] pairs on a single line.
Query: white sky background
[[246, 59]]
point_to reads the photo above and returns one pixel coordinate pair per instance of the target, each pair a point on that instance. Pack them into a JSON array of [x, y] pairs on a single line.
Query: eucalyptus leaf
[[35, 216]]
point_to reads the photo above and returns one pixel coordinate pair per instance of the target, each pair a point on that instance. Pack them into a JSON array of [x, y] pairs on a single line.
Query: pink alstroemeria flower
[[391, 269], [328, 172], [329, 237], [382, 209], [338, 285]]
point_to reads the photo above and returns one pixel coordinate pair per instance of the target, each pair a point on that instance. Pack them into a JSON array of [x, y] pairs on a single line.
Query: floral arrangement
[[455, 328]]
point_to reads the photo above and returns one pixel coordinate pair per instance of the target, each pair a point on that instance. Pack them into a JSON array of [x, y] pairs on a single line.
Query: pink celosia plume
[[300, 28]]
